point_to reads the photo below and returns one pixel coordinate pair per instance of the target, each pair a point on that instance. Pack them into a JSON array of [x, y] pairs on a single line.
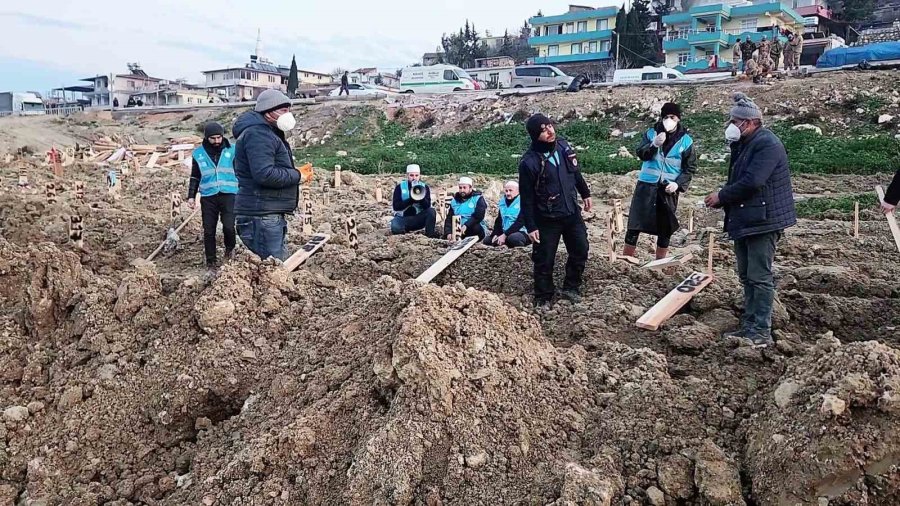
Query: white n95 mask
[[732, 133], [286, 122], [669, 124]]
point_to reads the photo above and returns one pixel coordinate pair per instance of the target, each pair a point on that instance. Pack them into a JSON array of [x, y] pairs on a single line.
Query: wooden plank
[[118, 155], [856, 220], [182, 147], [455, 252], [673, 301], [629, 259], [892, 220], [662, 263], [709, 261], [153, 159], [309, 249]]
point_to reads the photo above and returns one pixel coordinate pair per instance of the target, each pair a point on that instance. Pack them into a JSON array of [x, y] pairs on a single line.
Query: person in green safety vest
[[509, 227], [471, 207]]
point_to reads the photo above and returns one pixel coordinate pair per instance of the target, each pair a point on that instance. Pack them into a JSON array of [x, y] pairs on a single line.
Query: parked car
[[539, 75], [357, 90], [645, 74], [436, 79]]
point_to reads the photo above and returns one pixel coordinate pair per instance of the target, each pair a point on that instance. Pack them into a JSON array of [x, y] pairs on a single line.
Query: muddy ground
[[128, 382]]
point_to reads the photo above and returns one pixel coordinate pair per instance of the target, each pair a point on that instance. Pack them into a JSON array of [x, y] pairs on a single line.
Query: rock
[[107, 371], [656, 497], [615, 133], [704, 157], [350, 178], [785, 392], [8, 495], [716, 477], [885, 118], [833, 405], [400, 144], [35, 407], [15, 414], [216, 315], [674, 474], [807, 126], [70, 398], [477, 460], [624, 153], [341, 153], [860, 110], [628, 135], [581, 486]]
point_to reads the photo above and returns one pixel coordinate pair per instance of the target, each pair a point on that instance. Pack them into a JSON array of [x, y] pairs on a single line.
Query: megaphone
[[417, 192]]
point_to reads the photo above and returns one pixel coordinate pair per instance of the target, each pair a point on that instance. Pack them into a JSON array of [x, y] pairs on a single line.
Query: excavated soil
[[129, 382]]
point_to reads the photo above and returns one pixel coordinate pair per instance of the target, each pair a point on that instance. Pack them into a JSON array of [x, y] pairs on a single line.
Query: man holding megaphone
[[412, 205]]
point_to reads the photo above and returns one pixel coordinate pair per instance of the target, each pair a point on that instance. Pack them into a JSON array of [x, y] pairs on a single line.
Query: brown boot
[[629, 250], [661, 253]]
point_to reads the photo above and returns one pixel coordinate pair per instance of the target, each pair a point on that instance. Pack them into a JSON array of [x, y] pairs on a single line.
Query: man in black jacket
[[550, 181], [268, 179], [509, 227], [759, 204], [411, 212], [345, 84], [892, 195], [470, 206]]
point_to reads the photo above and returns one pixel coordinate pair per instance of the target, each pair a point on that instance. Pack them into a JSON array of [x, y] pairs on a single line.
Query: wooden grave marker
[[378, 196], [307, 212], [325, 193], [690, 220], [23, 178], [50, 192], [175, 200], [619, 216], [856, 220], [892, 220], [79, 192], [662, 263], [611, 235], [709, 261], [673, 301], [337, 177], [76, 230], [314, 244], [54, 159], [352, 236], [456, 232], [456, 251]]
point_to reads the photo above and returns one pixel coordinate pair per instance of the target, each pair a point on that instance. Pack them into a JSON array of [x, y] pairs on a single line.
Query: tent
[[851, 56]]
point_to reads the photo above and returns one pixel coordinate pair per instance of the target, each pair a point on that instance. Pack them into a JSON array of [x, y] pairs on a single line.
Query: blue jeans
[[263, 235], [754, 255]]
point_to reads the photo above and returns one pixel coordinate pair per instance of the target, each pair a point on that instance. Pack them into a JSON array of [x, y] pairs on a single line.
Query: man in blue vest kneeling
[[412, 205], [509, 227], [471, 207], [212, 174]]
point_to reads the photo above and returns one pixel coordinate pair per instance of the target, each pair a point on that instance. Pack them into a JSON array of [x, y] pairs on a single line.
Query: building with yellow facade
[[580, 37]]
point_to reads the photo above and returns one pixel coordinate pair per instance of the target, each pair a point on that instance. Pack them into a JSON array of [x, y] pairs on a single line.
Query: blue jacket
[[264, 167], [216, 176], [471, 211], [759, 197], [677, 156], [403, 203], [549, 186]]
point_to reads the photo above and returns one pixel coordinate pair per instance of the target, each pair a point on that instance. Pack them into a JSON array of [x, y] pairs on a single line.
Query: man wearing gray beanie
[[268, 179], [759, 204]]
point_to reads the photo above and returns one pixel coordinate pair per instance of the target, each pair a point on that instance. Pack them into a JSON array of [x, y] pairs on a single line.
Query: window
[[602, 24], [546, 72], [570, 28], [684, 58], [749, 24], [528, 72], [553, 51], [651, 76], [592, 47], [604, 46], [582, 26], [449, 75], [576, 48], [671, 76], [494, 78], [131, 84]]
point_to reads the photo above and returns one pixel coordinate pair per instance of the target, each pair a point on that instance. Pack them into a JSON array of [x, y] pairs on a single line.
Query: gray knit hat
[[744, 108], [270, 100]]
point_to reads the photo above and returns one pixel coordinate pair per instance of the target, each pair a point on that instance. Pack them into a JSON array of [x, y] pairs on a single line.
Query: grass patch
[[809, 152], [829, 207]]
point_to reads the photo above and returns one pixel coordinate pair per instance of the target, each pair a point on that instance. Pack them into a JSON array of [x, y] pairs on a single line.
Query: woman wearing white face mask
[[669, 163], [267, 177]]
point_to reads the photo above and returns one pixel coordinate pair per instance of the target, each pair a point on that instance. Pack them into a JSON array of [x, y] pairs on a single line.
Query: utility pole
[[618, 49]]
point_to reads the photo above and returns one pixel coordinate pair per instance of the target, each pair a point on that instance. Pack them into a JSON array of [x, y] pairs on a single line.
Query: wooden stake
[[325, 198], [455, 252], [337, 177], [456, 228], [153, 159], [690, 220], [23, 178], [76, 230], [662, 263], [54, 157], [892, 220], [709, 262], [314, 244], [50, 191], [307, 217], [79, 192], [619, 216], [352, 236], [856, 220], [175, 200], [673, 301], [378, 197], [611, 235]]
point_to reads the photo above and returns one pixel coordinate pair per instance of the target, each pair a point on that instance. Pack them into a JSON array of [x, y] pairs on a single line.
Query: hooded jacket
[[265, 169]]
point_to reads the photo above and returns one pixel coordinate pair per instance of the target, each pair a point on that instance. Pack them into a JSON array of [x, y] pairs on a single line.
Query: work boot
[[661, 253], [629, 250], [571, 295], [229, 254], [760, 340], [542, 303], [739, 333]]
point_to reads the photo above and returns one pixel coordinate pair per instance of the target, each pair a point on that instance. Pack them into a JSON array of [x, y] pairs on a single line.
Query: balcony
[[572, 58], [685, 39], [567, 38], [569, 17]]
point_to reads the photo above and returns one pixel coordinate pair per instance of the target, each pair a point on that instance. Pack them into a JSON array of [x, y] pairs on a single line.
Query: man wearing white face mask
[[759, 204], [669, 162], [267, 177]]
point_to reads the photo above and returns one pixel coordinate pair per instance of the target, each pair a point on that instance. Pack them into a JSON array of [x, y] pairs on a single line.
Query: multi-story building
[[577, 39], [247, 82], [704, 35]]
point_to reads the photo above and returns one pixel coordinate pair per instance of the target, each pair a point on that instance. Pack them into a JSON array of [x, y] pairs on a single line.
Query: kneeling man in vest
[[213, 175], [470, 206], [509, 228], [412, 205]]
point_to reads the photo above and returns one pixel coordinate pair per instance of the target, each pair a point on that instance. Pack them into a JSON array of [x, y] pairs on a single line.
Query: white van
[[539, 75], [436, 79], [646, 74]]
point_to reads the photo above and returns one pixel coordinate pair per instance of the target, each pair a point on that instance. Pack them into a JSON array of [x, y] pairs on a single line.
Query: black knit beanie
[[535, 124], [213, 128], [671, 108]]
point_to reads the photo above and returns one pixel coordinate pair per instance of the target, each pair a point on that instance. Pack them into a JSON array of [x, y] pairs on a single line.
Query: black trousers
[[574, 234], [213, 208]]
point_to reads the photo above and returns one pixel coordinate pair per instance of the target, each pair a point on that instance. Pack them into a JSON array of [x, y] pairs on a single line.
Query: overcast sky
[[52, 43]]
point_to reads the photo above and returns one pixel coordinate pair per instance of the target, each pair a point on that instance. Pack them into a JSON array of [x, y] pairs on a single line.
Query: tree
[[464, 47], [853, 11], [337, 73], [663, 7], [293, 78], [619, 39], [645, 42]]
